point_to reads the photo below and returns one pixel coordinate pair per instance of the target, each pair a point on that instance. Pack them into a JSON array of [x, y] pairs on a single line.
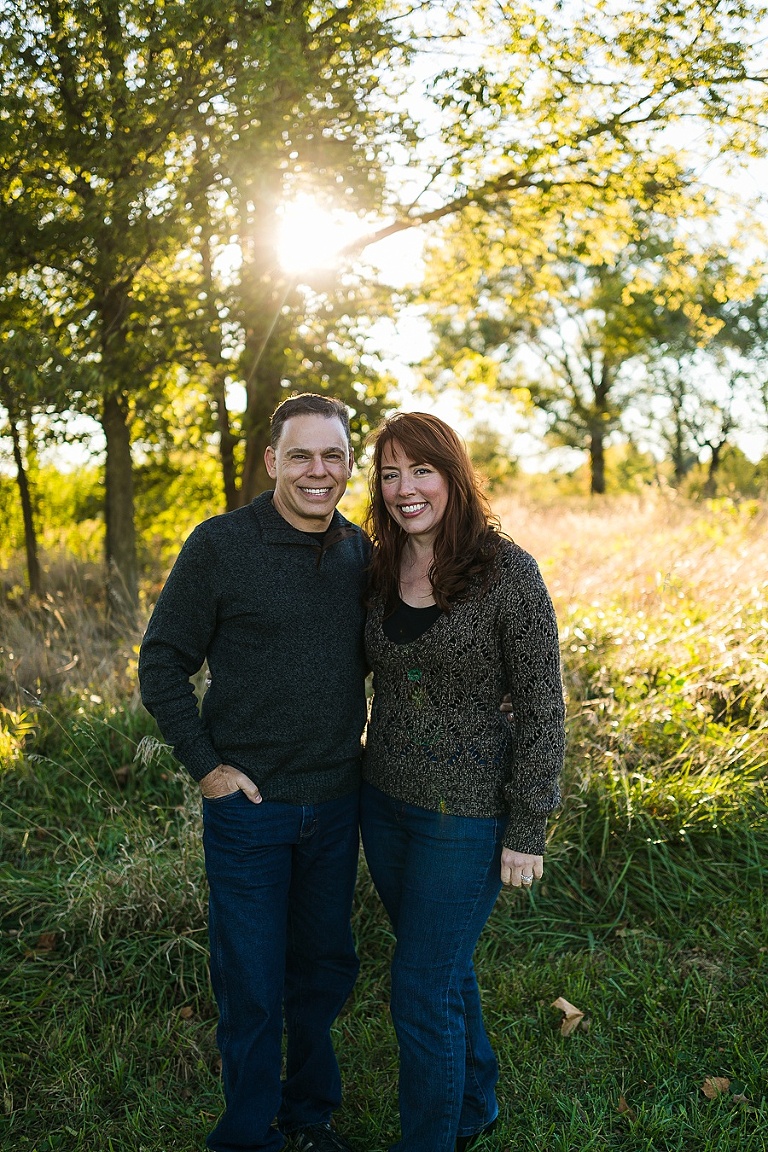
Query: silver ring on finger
[[527, 879]]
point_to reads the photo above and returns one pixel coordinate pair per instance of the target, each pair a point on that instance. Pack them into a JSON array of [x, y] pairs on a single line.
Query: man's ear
[[270, 461], [351, 461]]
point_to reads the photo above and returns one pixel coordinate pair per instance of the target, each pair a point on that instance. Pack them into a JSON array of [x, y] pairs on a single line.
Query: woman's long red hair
[[468, 535]]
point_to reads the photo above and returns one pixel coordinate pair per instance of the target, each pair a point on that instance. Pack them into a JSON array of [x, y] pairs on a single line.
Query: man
[[271, 596]]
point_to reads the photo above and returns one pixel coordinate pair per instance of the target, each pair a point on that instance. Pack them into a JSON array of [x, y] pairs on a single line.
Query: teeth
[[408, 508], [316, 491]]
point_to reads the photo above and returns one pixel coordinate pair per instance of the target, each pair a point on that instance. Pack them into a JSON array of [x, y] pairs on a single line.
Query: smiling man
[[271, 595], [310, 462]]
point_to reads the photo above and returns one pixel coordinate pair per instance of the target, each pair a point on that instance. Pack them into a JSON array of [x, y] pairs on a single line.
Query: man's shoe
[[464, 1143], [318, 1138]]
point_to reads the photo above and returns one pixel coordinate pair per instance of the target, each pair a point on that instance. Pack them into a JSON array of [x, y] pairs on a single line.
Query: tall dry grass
[[663, 610], [658, 592], [611, 545], [61, 645]]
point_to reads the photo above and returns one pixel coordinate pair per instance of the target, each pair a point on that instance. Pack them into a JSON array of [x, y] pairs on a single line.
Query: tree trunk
[[264, 391], [212, 345], [679, 440], [710, 484], [679, 452], [679, 465], [227, 444], [263, 398], [121, 561], [597, 462], [600, 421], [30, 536], [265, 294]]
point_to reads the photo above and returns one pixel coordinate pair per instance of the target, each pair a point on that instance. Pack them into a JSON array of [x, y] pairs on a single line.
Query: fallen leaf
[[625, 1108], [572, 1017], [123, 774], [715, 1086]]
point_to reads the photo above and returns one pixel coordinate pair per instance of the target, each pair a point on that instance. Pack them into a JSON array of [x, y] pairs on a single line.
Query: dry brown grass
[[641, 551], [60, 644], [688, 569]]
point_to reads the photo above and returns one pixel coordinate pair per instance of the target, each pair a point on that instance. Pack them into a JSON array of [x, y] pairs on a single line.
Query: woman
[[455, 794]]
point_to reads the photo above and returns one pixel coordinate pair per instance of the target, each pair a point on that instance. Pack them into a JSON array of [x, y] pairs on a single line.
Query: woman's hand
[[519, 870]]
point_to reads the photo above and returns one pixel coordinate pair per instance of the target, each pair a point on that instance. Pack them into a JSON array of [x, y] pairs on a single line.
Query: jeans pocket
[[222, 799]]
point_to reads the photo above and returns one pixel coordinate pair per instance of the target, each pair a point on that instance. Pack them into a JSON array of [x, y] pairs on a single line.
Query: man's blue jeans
[[438, 877], [281, 879]]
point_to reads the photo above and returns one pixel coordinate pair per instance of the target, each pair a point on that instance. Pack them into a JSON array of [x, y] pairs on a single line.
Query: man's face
[[310, 465]]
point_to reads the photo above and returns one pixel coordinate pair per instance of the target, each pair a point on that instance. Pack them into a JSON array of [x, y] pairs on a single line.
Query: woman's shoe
[[464, 1143]]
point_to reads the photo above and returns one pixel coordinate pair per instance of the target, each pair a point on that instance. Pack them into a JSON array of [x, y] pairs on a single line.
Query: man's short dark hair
[[307, 404]]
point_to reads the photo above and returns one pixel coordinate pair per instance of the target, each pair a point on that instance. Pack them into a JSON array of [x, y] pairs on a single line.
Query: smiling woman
[[311, 237]]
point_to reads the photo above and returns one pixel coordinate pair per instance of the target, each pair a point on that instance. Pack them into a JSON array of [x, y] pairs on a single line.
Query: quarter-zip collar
[[276, 530]]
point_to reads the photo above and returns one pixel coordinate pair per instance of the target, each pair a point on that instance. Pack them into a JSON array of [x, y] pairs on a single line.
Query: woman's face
[[415, 494]]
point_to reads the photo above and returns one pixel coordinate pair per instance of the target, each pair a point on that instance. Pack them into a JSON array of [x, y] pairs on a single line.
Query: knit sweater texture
[[279, 618], [436, 737]]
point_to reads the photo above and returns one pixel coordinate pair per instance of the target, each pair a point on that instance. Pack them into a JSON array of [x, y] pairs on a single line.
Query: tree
[[702, 397], [559, 123], [315, 121], [564, 324], [15, 425], [704, 363], [105, 104], [548, 113], [34, 385], [92, 148], [133, 132]]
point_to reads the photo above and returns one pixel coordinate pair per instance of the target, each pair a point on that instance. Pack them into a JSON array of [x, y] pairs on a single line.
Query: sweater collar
[[276, 530]]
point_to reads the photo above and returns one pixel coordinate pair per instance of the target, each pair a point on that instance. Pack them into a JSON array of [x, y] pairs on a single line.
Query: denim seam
[[454, 972]]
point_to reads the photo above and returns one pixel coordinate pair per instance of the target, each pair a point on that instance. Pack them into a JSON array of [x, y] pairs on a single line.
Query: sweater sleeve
[[174, 649], [532, 659]]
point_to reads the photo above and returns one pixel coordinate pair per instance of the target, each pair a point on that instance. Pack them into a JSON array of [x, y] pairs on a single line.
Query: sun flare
[[310, 237]]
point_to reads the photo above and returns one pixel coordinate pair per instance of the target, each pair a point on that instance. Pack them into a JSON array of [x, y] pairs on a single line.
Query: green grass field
[[651, 918]]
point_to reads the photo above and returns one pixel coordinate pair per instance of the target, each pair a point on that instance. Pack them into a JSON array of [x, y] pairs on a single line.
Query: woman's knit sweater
[[436, 737]]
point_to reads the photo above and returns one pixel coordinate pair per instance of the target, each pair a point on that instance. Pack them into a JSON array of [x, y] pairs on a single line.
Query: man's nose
[[317, 467]]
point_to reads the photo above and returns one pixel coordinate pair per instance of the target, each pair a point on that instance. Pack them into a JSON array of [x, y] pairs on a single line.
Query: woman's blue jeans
[[281, 880], [438, 877]]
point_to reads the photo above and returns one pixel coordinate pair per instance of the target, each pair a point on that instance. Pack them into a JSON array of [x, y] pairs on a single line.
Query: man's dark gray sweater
[[279, 618]]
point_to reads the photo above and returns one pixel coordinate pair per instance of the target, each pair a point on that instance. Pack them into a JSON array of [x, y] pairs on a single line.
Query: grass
[[651, 918]]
